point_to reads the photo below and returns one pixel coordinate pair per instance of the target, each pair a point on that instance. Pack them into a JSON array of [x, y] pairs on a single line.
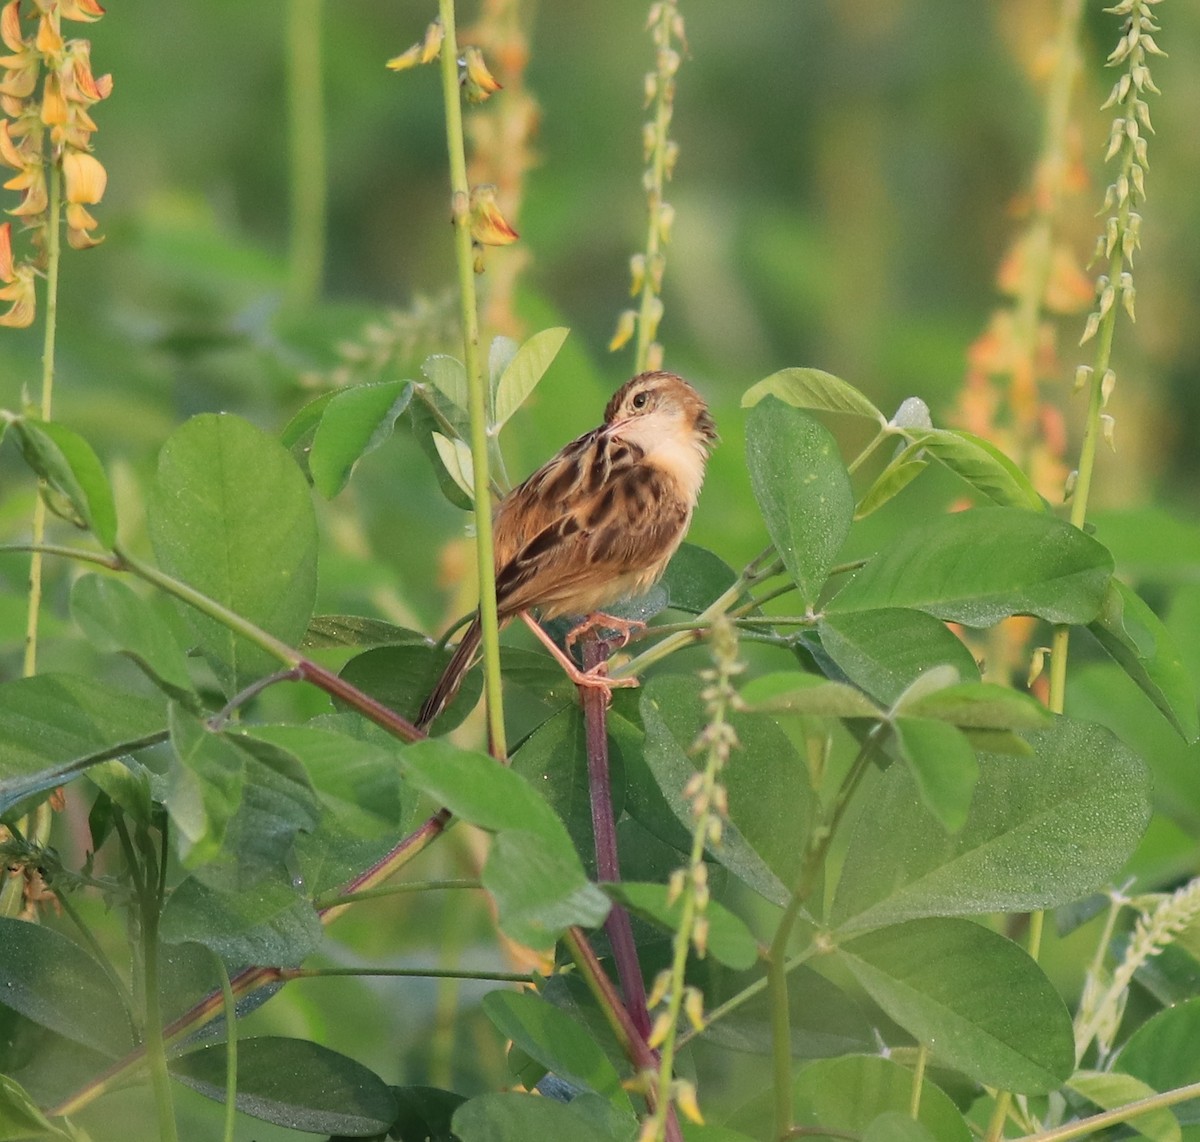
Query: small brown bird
[[599, 521]]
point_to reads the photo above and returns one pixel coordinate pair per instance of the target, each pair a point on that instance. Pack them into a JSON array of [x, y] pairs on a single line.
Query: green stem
[[306, 135], [874, 443], [407, 973], [53, 260], [777, 966], [460, 212], [156, 1054], [337, 898], [229, 1006], [759, 568], [1130, 1110]]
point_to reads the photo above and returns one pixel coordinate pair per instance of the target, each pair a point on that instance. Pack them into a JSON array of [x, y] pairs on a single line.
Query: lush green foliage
[[825, 814]]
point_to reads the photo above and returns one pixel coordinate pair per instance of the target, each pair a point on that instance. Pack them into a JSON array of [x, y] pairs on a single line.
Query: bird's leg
[[598, 620], [596, 678]]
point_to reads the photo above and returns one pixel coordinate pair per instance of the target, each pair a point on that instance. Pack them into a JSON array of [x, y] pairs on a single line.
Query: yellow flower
[[85, 11], [54, 106], [85, 177], [10, 27], [477, 81], [18, 287], [488, 226]]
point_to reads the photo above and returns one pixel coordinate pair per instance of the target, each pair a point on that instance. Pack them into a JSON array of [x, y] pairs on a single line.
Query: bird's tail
[[460, 662]]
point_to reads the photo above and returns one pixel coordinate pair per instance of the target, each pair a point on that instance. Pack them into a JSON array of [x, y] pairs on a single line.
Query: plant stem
[[762, 566], [306, 136], [338, 898], [604, 830], [619, 1019], [156, 1055], [460, 212], [53, 259], [777, 965], [286, 974], [231, 1052], [1114, 1117]]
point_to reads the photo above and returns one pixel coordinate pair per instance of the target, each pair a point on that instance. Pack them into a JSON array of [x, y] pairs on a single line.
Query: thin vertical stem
[[53, 258], [460, 212], [306, 138], [604, 829]]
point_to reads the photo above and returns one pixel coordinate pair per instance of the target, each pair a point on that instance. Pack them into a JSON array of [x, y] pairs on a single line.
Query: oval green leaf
[[980, 1003], [812, 388], [71, 467], [231, 515], [802, 490], [978, 567], [296, 1084], [1041, 831], [523, 372], [355, 422]]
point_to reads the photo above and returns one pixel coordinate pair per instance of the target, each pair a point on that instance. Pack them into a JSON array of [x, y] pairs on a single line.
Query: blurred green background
[[843, 198]]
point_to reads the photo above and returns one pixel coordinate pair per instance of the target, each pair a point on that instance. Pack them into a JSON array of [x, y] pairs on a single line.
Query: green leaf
[[401, 676], [895, 1126], [885, 651], [943, 765], [889, 483], [298, 433], [1162, 1051], [770, 801], [357, 780], [849, 1093], [294, 1083], [356, 422], [424, 1113], [979, 1002], [205, 788], [824, 1020], [455, 457], [20, 1119], [56, 984], [802, 490], [449, 377], [266, 923], [791, 692], [523, 1118], [540, 889], [563, 1046], [523, 372], [1041, 831], [1148, 542], [978, 567], [696, 577], [231, 515], [52, 726], [1143, 647], [118, 620], [424, 426], [325, 631], [980, 705], [553, 759], [71, 467], [811, 388], [981, 464], [730, 942], [533, 870], [1110, 1089]]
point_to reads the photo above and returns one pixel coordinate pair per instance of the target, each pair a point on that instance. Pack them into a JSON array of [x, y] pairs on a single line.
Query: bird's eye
[[639, 401]]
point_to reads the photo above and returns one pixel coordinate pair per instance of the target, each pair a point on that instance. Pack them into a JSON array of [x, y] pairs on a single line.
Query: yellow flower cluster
[[45, 93]]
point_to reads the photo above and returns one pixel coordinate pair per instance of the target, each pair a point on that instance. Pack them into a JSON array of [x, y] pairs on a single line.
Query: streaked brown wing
[[598, 546]]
